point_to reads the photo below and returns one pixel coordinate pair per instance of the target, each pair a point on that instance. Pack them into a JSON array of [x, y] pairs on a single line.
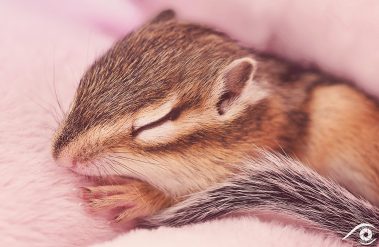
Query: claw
[[96, 191], [84, 193], [128, 201], [128, 215], [109, 202]]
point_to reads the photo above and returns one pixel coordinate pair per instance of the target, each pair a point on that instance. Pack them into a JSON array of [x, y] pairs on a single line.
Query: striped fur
[[276, 184]]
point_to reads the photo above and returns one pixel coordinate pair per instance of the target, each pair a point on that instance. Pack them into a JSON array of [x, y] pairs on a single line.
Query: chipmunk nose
[[58, 146], [61, 141], [61, 159], [66, 162]]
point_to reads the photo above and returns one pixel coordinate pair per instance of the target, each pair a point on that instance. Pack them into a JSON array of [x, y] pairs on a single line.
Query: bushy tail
[[277, 184]]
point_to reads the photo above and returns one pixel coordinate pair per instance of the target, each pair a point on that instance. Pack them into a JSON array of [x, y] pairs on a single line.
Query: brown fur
[[143, 200], [300, 112], [342, 140]]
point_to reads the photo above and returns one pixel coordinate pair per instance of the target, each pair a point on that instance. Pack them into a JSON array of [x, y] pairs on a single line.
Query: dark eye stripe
[[173, 115]]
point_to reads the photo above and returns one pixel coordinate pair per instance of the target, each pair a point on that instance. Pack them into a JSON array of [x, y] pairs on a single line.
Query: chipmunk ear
[[236, 80], [163, 16]]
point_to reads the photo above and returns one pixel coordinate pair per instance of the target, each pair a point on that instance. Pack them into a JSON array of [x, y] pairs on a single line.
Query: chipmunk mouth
[[99, 174], [109, 180], [104, 179]]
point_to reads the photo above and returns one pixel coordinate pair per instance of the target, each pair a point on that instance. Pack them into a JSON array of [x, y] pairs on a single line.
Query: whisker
[[111, 163], [129, 168], [62, 112], [97, 168], [131, 159], [51, 112], [158, 165], [111, 175]]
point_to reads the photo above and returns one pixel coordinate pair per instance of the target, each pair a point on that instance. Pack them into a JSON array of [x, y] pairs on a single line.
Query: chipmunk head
[[172, 103]]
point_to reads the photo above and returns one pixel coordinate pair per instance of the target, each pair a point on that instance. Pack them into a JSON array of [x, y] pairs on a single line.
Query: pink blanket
[[44, 49]]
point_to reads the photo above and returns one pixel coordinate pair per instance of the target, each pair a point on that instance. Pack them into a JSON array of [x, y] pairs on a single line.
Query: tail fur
[[277, 184]]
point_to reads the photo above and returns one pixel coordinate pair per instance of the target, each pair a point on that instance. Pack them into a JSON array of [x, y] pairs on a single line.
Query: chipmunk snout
[[59, 149], [61, 160], [58, 144], [66, 162], [70, 153]]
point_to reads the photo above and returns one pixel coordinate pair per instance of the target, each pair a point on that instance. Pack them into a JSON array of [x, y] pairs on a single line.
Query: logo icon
[[365, 233]]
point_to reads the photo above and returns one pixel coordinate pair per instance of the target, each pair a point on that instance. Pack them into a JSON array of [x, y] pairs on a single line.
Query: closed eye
[[173, 115]]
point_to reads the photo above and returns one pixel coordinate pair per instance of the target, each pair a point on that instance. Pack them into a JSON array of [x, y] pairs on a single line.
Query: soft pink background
[[45, 46]]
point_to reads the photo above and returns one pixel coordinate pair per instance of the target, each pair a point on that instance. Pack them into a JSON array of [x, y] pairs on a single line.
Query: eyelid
[[153, 115], [171, 116], [168, 111]]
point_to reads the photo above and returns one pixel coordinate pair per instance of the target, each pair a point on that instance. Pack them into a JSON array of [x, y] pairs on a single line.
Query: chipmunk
[[177, 107]]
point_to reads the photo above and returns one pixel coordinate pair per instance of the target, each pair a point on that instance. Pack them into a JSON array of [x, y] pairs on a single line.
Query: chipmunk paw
[[124, 203]]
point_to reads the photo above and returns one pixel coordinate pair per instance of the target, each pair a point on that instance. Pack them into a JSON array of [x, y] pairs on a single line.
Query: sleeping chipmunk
[[178, 107]]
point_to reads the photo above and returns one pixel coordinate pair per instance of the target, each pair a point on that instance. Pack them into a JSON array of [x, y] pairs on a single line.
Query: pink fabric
[[44, 47], [241, 232]]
